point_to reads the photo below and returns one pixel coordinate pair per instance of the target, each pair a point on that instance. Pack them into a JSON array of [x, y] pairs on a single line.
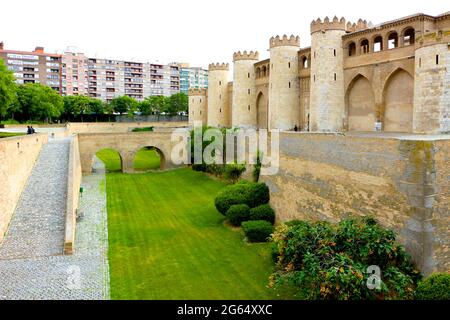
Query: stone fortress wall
[[393, 77], [17, 158]]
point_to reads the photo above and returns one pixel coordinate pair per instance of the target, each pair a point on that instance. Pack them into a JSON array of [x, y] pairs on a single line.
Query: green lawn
[[10, 134], [167, 241], [146, 159]]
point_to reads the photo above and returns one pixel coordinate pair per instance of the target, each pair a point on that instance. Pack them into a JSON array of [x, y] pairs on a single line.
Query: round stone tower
[[432, 75], [197, 106], [284, 86], [243, 107], [218, 102], [327, 101]]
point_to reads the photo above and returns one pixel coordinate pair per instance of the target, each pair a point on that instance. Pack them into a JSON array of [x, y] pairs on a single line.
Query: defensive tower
[[198, 106], [284, 87], [218, 106], [327, 106], [243, 108]]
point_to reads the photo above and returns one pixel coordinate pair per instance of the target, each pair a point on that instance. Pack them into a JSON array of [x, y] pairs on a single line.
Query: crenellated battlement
[[245, 55], [197, 92], [360, 25], [218, 66], [327, 24], [284, 41]]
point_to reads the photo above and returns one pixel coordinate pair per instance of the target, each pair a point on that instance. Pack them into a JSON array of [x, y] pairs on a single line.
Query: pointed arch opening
[[261, 115], [398, 96], [360, 105]]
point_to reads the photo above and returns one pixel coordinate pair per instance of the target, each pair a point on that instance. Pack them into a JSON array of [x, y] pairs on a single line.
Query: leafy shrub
[[199, 167], [257, 231], [263, 212], [243, 192], [325, 261], [234, 171], [238, 213], [231, 195], [257, 167], [142, 129], [215, 169], [258, 194], [435, 287]]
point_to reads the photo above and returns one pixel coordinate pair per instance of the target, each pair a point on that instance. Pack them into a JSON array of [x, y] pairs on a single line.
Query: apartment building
[[192, 77], [34, 66], [74, 73]]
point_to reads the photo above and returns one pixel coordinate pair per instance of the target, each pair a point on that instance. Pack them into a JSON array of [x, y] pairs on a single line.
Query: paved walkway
[[31, 262]]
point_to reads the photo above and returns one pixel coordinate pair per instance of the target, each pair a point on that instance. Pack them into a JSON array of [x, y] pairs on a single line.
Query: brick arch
[[127, 144], [162, 155], [110, 148], [360, 106], [398, 96]]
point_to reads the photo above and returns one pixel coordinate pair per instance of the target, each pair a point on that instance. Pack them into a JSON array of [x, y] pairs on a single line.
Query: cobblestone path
[[31, 262]]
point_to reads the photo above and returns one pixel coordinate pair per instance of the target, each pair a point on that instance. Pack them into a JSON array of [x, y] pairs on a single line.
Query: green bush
[[237, 214], [263, 212], [234, 171], [257, 231], [243, 192], [330, 262], [258, 194], [231, 195], [142, 129], [199, 167], [435, 287]]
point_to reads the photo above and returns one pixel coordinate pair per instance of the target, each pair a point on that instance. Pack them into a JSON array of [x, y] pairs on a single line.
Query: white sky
[[194, 31]]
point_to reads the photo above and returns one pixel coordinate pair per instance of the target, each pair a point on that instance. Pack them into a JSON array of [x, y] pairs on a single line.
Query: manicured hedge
[[257, 231], [243, 192], [238, 213], [263, 212], [435, 287]]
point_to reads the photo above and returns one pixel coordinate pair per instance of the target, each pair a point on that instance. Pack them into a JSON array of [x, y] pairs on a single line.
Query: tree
[[145, 107], [158, 103], [123, 104], [39, 102], [96, 107], [7, 90], [77, 105], [178, 102]]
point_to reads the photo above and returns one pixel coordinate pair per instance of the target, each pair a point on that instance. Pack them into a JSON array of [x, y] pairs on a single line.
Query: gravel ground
[[31, 262]]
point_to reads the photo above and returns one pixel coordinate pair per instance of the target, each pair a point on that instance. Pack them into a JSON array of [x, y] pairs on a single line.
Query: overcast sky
[[194, 31]]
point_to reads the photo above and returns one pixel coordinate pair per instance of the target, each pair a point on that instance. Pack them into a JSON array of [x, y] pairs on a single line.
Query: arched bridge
[[127, 145]]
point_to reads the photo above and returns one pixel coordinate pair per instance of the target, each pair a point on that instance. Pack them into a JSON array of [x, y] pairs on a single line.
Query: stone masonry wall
[[17, 158], [404, 184]]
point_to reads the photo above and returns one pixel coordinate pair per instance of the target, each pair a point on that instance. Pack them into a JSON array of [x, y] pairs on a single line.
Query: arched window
[[364, 46], [352, 49], [305, 62], [258, 72], [264, 70], [289, 65], [393, 40], [377, 44], [408, 37]]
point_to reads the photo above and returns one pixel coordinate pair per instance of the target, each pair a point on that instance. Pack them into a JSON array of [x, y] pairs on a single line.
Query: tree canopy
[[7, 90]]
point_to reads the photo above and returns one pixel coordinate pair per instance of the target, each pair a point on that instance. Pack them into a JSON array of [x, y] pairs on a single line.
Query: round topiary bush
[[263, 212], [258, 194], [238, 213], [231, 195], [257, 231], [435, 287]]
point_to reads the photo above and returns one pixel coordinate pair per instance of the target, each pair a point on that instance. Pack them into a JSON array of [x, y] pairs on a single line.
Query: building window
[[314, 78], [378, 44], [289, 84], [220, 110], [364, 46], [408, 37], [420, 62], [248, 91], [335, 77], [352, 49], [437, 59], [289, 65], [220, 83], [393, 40], [334, 52], [248, 107], [248, 75]]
